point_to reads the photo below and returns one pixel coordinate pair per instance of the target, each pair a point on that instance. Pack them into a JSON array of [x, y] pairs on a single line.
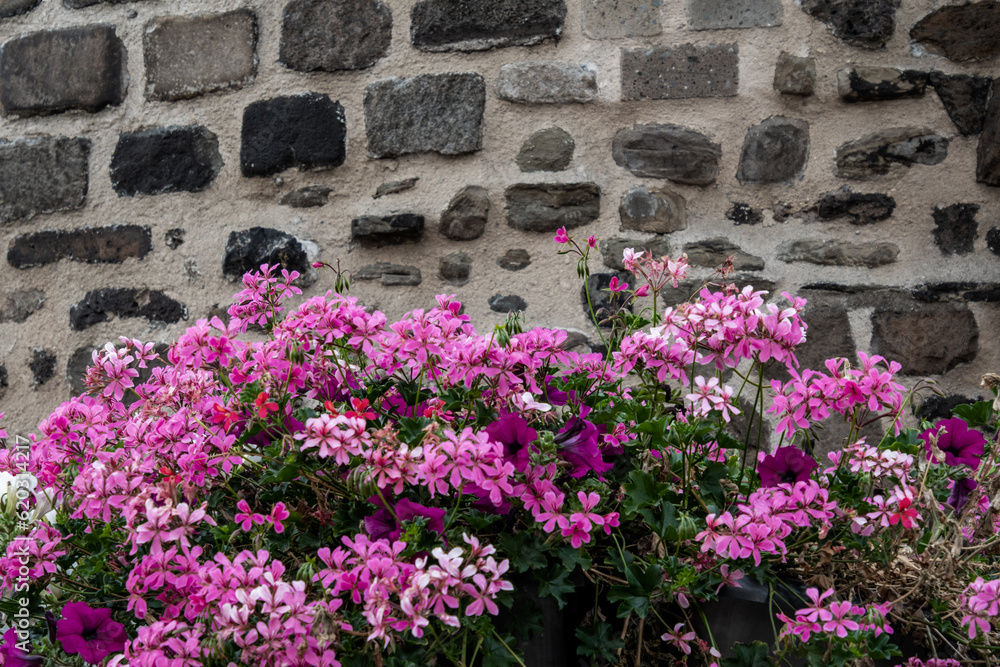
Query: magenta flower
[[787, 465], [382, 525], [561, 236], [578, 444], [89, 632], [960, 493], [513, 432], [278, 514], [961, 445], [12, 656]]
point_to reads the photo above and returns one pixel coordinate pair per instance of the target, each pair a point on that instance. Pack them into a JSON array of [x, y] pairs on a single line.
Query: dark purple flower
[[15, 657], [577, 442], [382, 525], [89, 632], [960, 493], [787, 465], [483, 502], [554, 396], [513, 432], [960, 444]]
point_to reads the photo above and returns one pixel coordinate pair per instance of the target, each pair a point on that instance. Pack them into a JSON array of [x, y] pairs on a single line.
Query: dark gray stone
[[865, 23], [42, 366], [186, 57], [877, 84], [80, 4], [612, 249], [926, 339], [174, 238], [514, 259], [94, 245], [936, 407], [673, 152], [550, 149], [466, 215], [334, 35], [390, 275], [681, 71], [829, 333], [99, 304], [76, 368], [455, 268], [993, 241], [374, 232], [774, 151], [395, 187], [310, 196], [658, 211], [57, 70], [603, 304], [964, 98], [10, 8], [440, 113], [860, 208], [964, 32], [794, 75], [163, 160], [3, 381], [246, 250], [305, 131], [507, 304], [715, 15], [960, 292], [42, 175], [545, 207], [838, 253], [988, 150], [615, 19], [18, 305], [547, 82], [874, 155], [712, 253], [480, 25], [955, 228], [744, 214]]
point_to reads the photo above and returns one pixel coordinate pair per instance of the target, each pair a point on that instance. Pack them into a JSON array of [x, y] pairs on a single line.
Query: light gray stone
[[547, 82], [680, 71], [774, 151], [334, 35], [712, 253], [514, 259], [874, 154], [659, 211], [466, 215], [876, 84], [545, 207], [455, 268], [615, 19], [550, 149], [838, 253], [612, 249], [673, 152], [721, 15], [17, 305], [794, 75], [42, 175], [390, 275]]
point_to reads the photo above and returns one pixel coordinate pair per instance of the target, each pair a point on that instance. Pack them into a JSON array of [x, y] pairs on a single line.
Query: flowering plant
[[318, 486]]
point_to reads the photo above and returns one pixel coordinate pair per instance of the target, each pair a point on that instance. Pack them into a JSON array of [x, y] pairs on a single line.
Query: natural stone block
[[659, 211], [673, 152], [95, 245], [615, 19], [311, 196], [17, 305], [334, 35], [42, 175], [860, 208], [601, 302], [550, 149], [744, 214], [99, 304], [174, 238], [612, 249], [865, 23], [936, 407], [993, 240], [838, 253], [712, 253], [305, 131], [774, 151], [961, 292], [679, 72], [988, 150], [246, 250], [441, 113], [466, 215], [42, 365], [955, 228], [545, 207], [926, 339], [390, 275], [455, 268], [961, 32], [480, 25], [395, 187], [715, 15], [372, 231], [10, 8], [547, 82], [829, 333], [56, 70], [794, 75], [507, 304], [514, 259], [964, 98], [876, 84], [80, 4], [874, 154], [163, 160]]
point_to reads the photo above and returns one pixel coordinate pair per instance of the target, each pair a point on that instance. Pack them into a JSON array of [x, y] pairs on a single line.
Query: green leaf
[[975, 414], [556, 587], [599, 642], [756, 654], [495, 654], [523, 550], [571, 557], [640, 492], [288, 473], [662, 519], [635, 596], [709, 481]]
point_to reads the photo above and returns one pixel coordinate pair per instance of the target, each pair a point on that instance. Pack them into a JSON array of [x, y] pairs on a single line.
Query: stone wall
[[152, 151]]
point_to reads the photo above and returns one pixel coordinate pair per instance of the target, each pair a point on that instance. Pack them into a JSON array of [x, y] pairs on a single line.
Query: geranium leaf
[[975, 414]]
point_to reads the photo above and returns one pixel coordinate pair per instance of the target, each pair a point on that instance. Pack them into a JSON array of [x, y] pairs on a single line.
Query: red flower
[[224, 416], [331, 408], [905, 515], [263, 406], [360, 409]]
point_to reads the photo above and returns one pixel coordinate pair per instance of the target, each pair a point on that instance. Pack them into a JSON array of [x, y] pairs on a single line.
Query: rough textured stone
[[988, 150], [186, 57], [163, 160], [547, 82], [466, 215], [615, 19], [80, 4], [612, 249], [550, 149], [42, 175], [925, 338], [507, 304], [964, 98], [860, 208], [246, 250], [174, 238], [744, 214], [372, 231], [602, 302], [969, 31], [3, 381], [95, 245], [659, 211], [99, 304], [673, 152], [305, 131], [715, 15], [839, 253], [480, 25], [441, 113], [545, 207], [455, 268], [395, 187], [829, 334], [76, 368], [712, 253], [18, 305], [876, 84], [334, 35], [865, 23], [874, 154], [390, 275], [56, 70], [42, 366], [774, 151], [955, 228], [993, 241], [10, 8], [680, 71], [936, 407], [514, 259], [310, 196], [794, 75], [957, 292]]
